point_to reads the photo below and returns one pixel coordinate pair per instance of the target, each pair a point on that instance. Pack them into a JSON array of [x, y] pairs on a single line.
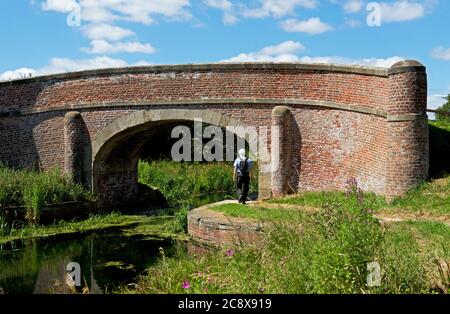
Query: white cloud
[[276, 8], [229, 19], [63, 6], [139, 11], [287, 47], [288, 52], [101, 16], [62, 65], [370, 62], [17, 74], [233, 11], [401, 11], [219, 4], [312, 26], [283, 52], [106, 31], [436, 100], [353, 6], [441, 53], [100, 46]]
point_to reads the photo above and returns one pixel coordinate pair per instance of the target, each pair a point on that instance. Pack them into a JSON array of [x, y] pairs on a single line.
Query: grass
[[184, 183], [430, 197], [242, 211], [414, 254], [325, 251], [34, 190]]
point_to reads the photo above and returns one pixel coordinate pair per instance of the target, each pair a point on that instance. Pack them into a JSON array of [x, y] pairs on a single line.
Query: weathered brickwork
[[338, 122]]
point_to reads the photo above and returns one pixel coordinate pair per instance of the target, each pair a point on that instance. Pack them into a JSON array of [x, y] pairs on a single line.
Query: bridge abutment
[[407, 128]]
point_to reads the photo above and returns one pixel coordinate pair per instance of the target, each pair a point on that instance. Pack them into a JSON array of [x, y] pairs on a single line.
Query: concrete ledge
[[217, 67], [213, 101]]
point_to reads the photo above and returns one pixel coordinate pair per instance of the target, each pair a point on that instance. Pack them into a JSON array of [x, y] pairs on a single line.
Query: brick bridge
[[335, 121]]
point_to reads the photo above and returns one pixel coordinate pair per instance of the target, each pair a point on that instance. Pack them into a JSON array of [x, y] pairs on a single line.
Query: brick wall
[[345, 121]]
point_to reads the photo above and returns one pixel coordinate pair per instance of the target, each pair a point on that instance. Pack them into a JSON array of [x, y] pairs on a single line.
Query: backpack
[[243, 167]]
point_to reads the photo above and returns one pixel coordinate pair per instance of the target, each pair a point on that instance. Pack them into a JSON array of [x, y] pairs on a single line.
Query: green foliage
[[326, 252], [441, 118], [184, 183], [4, 226], [179, 224], [34, 190], [431, 197], [187, 185]]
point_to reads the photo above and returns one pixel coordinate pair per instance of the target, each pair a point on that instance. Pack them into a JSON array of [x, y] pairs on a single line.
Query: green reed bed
[[34, 190]]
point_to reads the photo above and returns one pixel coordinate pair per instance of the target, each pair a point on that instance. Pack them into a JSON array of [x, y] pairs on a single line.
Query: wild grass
[[34, 190], [431, 197], [326, 251], [183, 183]]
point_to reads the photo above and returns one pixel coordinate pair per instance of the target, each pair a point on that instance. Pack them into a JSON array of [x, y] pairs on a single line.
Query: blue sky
[[50, 36]]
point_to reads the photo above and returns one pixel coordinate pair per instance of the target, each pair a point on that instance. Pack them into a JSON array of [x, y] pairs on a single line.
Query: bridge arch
[[111, 166]]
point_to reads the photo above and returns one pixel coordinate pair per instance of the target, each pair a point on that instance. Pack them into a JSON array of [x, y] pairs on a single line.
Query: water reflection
[[107, 260]]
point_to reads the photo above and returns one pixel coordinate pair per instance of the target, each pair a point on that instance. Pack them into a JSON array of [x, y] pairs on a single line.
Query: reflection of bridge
[[335, 121]]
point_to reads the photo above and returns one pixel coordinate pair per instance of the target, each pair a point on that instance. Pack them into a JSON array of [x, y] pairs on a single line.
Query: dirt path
[[404, 216]]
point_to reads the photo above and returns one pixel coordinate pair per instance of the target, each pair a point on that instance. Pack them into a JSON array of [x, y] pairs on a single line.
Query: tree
[[445, 108]]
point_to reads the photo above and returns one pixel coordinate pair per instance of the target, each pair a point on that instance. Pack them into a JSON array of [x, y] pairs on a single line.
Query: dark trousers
[[243, 183]]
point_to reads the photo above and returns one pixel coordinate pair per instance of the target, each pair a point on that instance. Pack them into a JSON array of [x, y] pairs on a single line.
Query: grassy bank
[[432, 198], [325, 250], [183, 184]]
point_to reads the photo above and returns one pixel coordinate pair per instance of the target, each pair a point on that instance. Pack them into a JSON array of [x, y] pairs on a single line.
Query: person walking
[[241, 175]]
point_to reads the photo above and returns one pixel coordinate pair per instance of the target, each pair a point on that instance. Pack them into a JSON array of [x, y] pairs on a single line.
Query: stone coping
[[217, 67]]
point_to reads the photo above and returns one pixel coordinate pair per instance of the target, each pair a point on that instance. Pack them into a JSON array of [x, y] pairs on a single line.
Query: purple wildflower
[[186, 285], [230, 252]]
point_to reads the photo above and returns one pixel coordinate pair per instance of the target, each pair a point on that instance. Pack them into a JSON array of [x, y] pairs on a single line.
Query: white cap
[[242, 153]]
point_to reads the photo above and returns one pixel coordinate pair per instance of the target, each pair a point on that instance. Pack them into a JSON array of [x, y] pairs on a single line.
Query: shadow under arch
[[111, 168]]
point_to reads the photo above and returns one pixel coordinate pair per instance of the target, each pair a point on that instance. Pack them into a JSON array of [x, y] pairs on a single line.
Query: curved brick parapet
[[209, 227], [345, 121]]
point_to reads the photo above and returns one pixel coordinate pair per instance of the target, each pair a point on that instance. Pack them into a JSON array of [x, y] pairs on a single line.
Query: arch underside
[[116, 149]]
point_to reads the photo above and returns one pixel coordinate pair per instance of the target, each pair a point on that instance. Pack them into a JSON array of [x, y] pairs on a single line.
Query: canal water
[[107, 260]]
